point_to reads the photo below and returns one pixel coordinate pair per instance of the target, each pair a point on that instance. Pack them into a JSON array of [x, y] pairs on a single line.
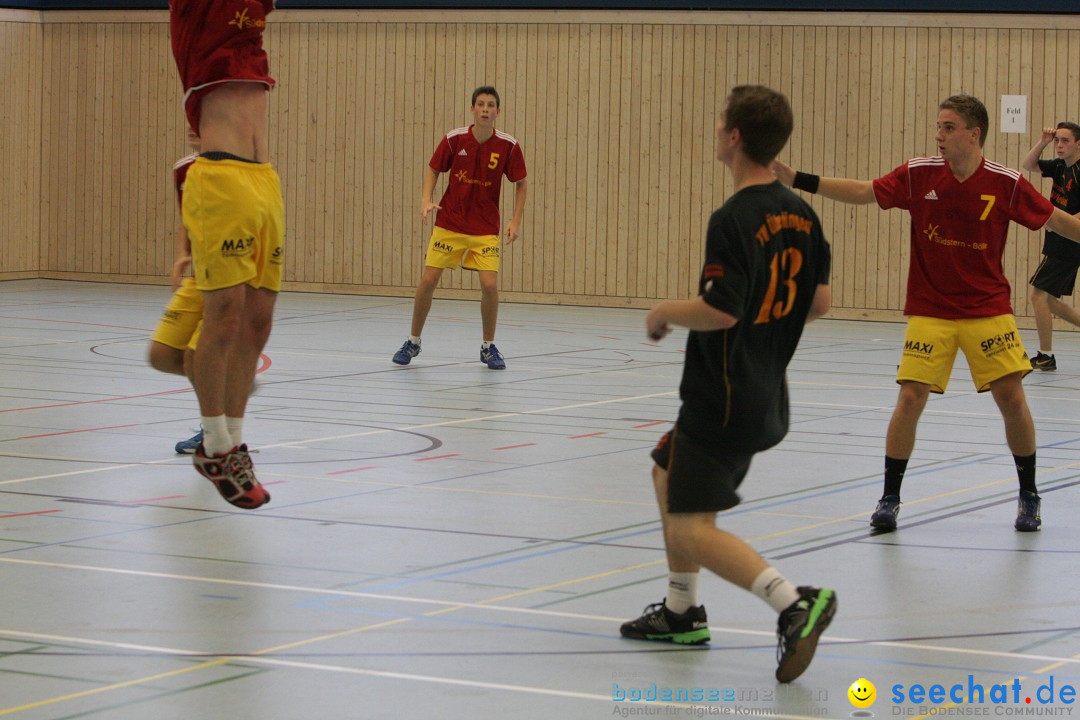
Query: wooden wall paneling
[[616, 119], [867, 140], [578, 131], [21, 82], [564, 141]]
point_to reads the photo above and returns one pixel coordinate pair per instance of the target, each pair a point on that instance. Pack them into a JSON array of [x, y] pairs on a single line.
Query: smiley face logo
[[862, 693]]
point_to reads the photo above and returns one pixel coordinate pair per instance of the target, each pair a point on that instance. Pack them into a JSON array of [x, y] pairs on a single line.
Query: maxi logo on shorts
[[999, 343], [442, 247], [237, 248], [918, 349]]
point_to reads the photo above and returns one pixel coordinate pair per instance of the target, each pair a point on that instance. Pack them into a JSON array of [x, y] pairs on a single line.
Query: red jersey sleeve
[[515, 165], [1028, 207], [894, 190], [443, 157]]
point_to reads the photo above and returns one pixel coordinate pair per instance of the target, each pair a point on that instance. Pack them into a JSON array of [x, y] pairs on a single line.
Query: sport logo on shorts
[[236, 248], [998, 343], [490, 251]]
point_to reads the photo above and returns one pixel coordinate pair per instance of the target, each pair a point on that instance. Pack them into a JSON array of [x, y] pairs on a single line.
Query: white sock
[[216, 438], [236, 429], [414, 339], [681, 592], [484, 345], [771, 587]]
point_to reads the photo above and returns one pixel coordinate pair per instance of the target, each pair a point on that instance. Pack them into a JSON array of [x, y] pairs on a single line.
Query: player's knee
[[166, 359]]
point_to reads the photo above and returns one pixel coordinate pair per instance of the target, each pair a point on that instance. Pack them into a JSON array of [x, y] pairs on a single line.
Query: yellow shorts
[[235, 219], [182, 320], [991, 345], [481, 252]]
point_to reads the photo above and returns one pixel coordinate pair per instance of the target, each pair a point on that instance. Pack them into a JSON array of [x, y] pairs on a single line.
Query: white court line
[[832, 639], [366, 433], [434, 679]]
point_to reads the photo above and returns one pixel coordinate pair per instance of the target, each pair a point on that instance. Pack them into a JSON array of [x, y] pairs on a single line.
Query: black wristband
[[806, 181]]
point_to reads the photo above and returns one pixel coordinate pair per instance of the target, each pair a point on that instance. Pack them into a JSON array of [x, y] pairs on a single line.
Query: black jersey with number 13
[[765, 255]]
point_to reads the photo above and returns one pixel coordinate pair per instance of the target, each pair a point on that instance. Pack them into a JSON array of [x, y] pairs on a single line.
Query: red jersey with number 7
[[958, 233], [470, 205]]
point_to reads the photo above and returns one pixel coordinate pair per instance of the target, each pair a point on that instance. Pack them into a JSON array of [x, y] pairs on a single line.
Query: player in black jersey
[[1056, 274], [765, 276]]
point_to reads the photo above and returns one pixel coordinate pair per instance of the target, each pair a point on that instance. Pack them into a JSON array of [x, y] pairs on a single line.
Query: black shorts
[[698, 480], [1055, 276]]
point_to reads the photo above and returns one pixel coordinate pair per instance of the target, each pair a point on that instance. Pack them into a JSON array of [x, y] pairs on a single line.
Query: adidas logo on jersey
[[930, 196], [463, 153]]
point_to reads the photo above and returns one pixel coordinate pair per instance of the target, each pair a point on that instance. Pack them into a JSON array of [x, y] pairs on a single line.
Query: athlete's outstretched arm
[[856, 192], [1065, 224]]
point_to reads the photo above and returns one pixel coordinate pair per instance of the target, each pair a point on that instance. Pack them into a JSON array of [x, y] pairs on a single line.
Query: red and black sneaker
[[233, 475]]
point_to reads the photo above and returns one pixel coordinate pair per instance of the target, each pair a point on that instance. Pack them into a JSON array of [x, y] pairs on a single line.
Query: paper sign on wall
[[1014, 113]]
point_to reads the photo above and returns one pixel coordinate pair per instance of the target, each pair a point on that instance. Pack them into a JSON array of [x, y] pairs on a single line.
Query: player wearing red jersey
[[961, 205], [467, 224], [234, 216]]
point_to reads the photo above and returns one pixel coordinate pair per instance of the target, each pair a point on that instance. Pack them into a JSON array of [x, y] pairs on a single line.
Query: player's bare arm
[[1031, 160], [513, 227], [695, 314], [856, 192], [1065, 224], [426, 205]]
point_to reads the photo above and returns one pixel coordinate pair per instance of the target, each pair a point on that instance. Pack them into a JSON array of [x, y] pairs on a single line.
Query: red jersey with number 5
[[470, 205], [958, 233], [216, 41]]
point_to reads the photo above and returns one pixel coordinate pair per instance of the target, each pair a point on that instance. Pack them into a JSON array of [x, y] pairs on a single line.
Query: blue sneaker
[[492, 357], [884, 517], [187, 447], [1028, 516], [408, 351]]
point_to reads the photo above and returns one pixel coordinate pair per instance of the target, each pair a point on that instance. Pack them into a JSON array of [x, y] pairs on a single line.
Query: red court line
[[437, 457], [511, 447], [575, 437], [274, 482], [36, 512], [69, 432], [342, 472], [76, 322], [649, 344], [608, 337], [146, 500], [649, 424]]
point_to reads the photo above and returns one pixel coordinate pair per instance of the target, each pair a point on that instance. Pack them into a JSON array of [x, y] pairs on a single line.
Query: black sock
[[1025, 471], [894, 474]]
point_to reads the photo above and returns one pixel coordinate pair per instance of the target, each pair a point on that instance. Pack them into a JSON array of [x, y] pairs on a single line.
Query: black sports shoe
[[798, 630], [1028, 506], [884, 517], [659, 623], [1042, 361]]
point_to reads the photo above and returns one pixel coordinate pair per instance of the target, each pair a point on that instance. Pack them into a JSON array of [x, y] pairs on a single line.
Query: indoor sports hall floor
[[447, 541]]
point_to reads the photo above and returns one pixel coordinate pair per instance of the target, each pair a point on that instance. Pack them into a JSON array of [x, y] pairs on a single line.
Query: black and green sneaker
[[659, 623], [799, 628]]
